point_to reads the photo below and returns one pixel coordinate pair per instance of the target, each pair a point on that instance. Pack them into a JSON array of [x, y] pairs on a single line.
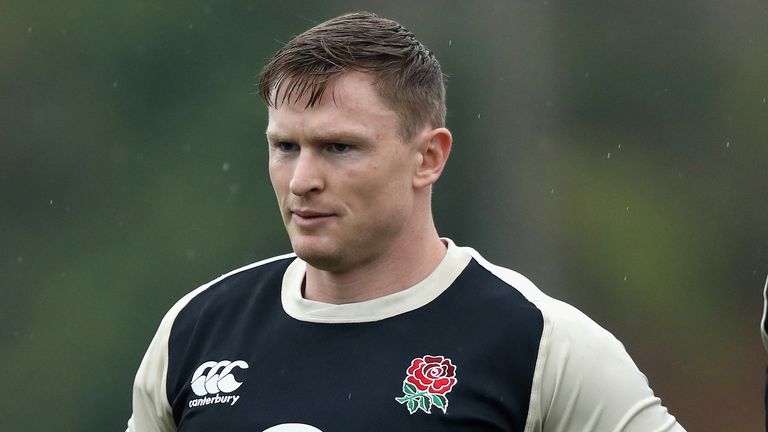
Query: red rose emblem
[[434, 374], [427, 381]]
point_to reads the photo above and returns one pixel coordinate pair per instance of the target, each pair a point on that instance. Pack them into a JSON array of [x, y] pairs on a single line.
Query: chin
[[322, 258], [325, 262]]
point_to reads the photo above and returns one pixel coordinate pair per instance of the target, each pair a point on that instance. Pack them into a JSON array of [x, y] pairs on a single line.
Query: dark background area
[[613, 152]]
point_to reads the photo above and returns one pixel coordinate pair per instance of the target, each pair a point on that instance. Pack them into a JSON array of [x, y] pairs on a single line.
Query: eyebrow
[[276, 137], [322, 137]]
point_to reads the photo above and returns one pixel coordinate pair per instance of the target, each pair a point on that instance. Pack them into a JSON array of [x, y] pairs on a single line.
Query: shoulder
[[223, 290], [584, 378], [230, 286], [151, 406], [565, 333], [556, 315], [561, 320]]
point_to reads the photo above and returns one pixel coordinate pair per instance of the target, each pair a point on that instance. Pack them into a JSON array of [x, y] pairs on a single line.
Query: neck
[[403, 264]]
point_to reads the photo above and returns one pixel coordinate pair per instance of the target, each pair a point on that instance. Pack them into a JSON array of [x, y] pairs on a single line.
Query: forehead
[[349, 103]]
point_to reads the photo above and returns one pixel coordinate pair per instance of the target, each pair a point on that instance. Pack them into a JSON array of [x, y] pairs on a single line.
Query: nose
[[307, 174]]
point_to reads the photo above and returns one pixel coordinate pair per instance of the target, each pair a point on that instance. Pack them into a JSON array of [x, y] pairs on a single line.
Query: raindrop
[[225, 167], [114, 84], [20, 259], [50, 202], [29, 30], [552, 192], [450, 42], [625, 277], [478, 115], [727, 144], [586, 75], [609, 155]]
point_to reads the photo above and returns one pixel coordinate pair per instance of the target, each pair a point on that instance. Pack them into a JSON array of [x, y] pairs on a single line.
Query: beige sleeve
[[584, 379], [588, 382], [151, 410]]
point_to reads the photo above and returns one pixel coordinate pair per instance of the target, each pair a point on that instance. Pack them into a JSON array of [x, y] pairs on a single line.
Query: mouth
[[310, 218]]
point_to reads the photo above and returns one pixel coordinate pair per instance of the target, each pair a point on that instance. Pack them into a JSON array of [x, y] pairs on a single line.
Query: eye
[[286, 147], [338, 147]]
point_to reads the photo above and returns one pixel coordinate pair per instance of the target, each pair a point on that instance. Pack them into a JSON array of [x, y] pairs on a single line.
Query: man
[[375, 322]]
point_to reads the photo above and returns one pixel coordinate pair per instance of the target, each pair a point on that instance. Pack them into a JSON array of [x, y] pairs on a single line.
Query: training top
[[472, 347]]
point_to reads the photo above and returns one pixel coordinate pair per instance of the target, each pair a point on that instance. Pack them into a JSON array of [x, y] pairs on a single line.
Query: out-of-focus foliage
[[614, 152]]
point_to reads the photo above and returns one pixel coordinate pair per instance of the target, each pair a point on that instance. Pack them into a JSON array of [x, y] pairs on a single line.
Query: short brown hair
[[407, 75]]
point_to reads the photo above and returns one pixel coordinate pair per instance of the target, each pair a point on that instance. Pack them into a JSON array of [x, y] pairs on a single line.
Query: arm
[[588, 382], [151, 410]]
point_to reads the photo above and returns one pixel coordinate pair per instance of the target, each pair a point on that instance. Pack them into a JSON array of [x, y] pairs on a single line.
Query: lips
[[308, 214], [307, 218]]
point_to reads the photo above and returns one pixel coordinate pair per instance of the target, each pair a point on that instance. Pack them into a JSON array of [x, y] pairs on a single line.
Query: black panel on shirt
[[345, 377]]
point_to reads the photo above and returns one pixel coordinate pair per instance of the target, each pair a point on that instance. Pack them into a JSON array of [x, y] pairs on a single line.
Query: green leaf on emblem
[[440, 401], [409, 388], [425, 404], [412, 406]]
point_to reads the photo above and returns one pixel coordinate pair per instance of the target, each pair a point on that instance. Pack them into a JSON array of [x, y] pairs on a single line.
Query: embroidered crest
[[429, 379]]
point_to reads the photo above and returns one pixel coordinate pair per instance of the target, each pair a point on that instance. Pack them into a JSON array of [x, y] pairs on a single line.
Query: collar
[[414, 297]]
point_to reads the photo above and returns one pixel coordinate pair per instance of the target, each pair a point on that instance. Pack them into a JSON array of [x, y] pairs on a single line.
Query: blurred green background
[[614, 152]]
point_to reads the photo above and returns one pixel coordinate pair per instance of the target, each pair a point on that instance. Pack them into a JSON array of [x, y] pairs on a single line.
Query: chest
[[373, 376], [460, 363]]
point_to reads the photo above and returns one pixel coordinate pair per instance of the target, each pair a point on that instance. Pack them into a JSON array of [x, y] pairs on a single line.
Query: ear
[[433, 149]]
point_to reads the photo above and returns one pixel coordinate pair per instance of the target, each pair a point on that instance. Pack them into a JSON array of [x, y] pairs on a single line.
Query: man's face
[[342, 175]]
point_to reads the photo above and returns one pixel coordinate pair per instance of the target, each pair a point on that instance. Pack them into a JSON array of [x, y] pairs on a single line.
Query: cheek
[[380, 191], [278, 178]]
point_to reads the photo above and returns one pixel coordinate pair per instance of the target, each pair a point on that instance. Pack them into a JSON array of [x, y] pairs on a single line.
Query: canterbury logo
[[218, 379]]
